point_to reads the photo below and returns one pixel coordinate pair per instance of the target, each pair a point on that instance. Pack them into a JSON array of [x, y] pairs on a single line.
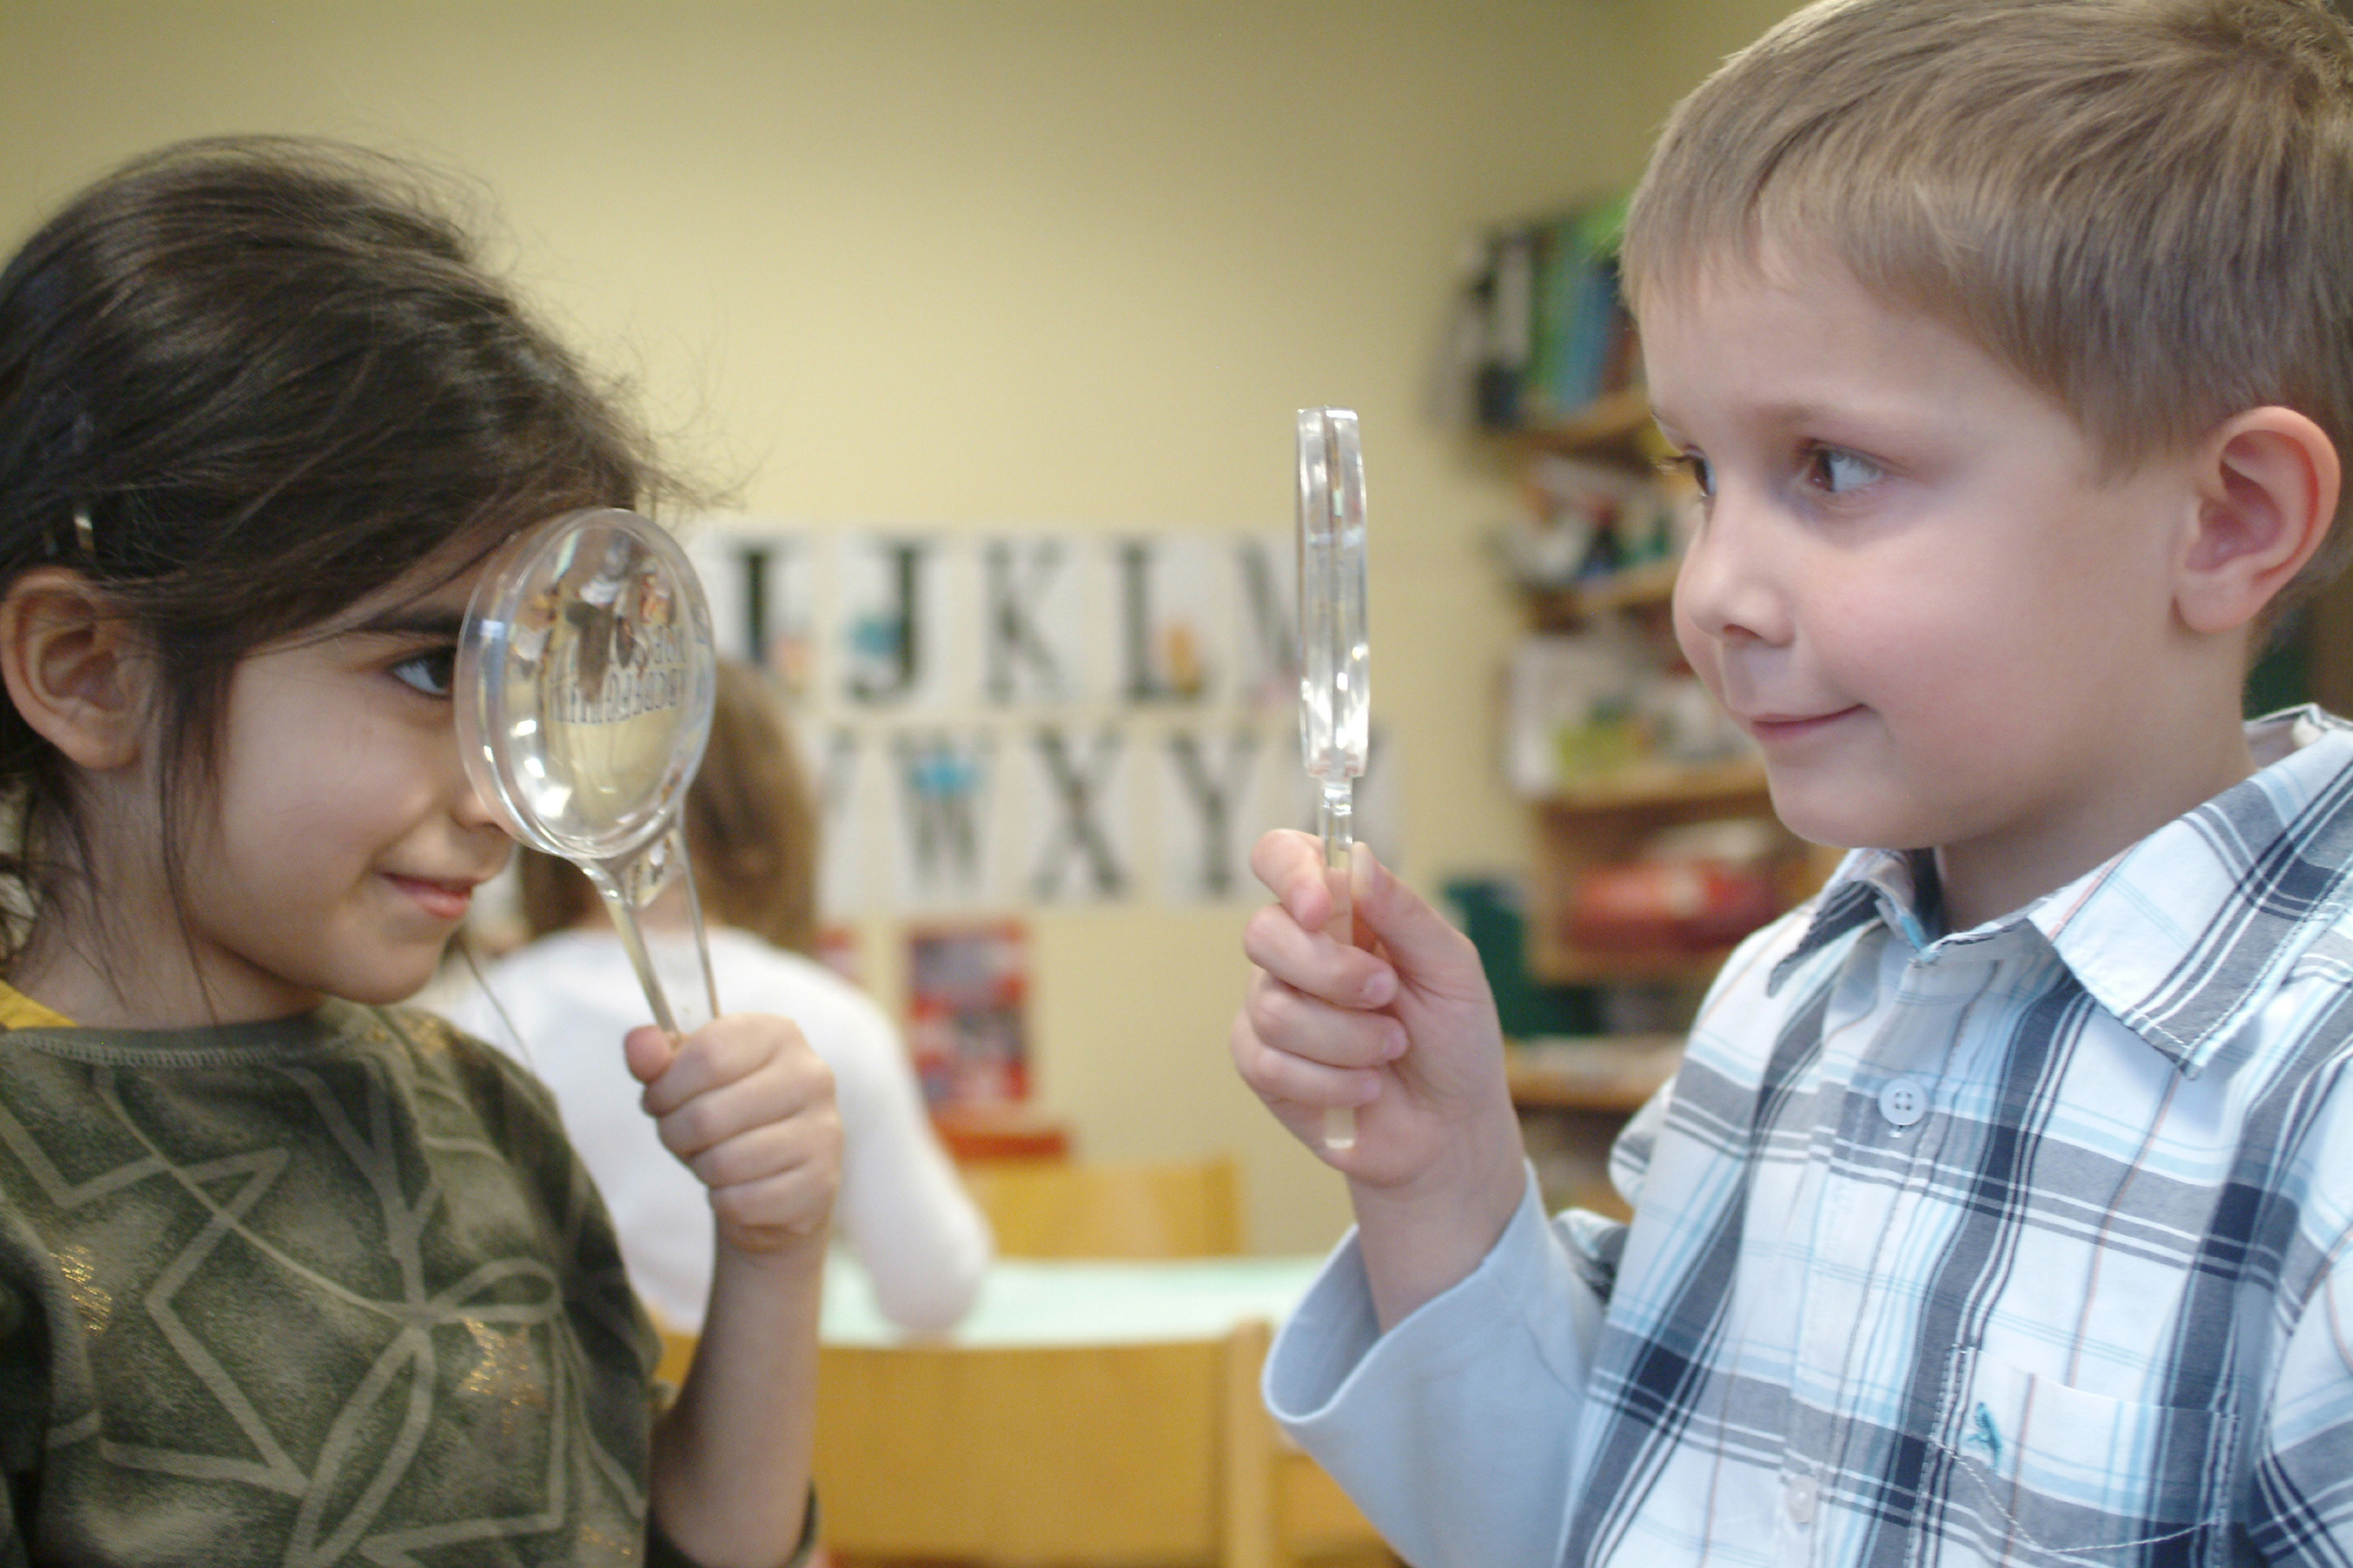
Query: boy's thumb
[[1418, 939]]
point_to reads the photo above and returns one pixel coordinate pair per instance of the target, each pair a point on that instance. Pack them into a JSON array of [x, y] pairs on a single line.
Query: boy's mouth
[[1772, 727]]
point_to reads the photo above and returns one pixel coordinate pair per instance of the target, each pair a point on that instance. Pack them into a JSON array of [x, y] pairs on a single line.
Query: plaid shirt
[[2022, 1244]]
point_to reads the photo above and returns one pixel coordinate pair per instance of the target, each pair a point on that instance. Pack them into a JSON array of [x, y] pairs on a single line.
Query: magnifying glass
[[1335, 700], [586, 679]]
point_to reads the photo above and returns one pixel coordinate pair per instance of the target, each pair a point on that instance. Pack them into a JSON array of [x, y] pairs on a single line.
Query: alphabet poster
[[1028, 719]]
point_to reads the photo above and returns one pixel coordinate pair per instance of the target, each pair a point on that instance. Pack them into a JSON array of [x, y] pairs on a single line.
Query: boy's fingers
[[1291, 863], [1300, 1024], [1284, 1076], [1348, 976], [1416, 937]]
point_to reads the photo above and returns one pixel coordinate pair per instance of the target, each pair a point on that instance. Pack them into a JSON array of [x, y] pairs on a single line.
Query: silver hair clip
[[86, 536]]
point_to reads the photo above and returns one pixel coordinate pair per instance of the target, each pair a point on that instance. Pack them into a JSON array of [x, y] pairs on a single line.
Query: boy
[[2002, 1209]]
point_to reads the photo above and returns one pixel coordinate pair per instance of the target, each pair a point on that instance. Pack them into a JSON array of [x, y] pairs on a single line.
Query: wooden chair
[[1074, 1456], [1085, 1209], [1140, 1455]]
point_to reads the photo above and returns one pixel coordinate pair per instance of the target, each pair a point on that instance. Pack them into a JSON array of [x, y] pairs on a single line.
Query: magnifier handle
[[623, 884], [694, 918], [633, 942], [1336, 817]]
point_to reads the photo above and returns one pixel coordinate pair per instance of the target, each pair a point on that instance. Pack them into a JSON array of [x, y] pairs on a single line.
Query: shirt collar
[[2185, 933]]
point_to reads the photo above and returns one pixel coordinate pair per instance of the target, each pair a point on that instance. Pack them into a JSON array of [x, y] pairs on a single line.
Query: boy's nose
[[1727, 588]]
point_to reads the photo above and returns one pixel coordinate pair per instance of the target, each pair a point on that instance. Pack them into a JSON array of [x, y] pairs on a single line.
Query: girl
[[288, 1273]]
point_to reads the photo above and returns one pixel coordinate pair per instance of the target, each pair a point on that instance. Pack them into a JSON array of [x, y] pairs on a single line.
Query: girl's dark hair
[[750, 828], [275, 376]]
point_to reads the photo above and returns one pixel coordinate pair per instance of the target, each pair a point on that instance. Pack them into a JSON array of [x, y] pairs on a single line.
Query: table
[[1083, 1412], [1104, 1301]]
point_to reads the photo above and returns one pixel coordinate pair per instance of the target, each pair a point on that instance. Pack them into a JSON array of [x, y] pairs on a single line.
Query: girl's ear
[[70, 668], [2268, 482]]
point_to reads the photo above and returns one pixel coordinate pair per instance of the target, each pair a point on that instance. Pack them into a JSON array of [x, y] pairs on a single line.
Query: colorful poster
[[968, 988]]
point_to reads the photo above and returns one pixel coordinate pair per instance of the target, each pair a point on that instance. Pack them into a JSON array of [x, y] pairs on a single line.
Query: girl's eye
[[1837, 472], [432, 673]]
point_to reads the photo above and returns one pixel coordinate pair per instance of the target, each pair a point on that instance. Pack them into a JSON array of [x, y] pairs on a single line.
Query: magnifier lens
[[586, 682]]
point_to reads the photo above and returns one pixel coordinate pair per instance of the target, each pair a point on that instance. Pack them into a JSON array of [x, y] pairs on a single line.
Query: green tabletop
[[1031, 1301]]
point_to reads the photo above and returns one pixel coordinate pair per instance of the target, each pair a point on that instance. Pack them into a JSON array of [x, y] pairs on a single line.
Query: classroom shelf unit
[[1575, 1094]]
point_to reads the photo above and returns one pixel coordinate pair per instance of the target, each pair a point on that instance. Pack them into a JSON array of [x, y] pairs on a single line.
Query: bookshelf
[[1618, 898]]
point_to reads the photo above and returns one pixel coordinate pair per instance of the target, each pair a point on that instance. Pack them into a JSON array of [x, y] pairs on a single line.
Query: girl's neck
[[66, 966]]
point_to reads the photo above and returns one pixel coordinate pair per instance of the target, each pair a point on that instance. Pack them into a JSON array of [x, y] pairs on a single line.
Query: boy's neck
[[2156, 773]]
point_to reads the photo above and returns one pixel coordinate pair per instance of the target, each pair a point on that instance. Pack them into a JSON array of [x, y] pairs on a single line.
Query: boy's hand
[[749, 1108], [1401, 1026]]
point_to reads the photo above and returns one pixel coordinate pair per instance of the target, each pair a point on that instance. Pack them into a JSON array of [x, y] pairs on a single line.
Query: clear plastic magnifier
[[585, 685], [1335, 703]]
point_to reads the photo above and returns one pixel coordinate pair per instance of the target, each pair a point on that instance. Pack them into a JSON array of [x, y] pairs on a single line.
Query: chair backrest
[[1070, 1455], [1083, 1208]]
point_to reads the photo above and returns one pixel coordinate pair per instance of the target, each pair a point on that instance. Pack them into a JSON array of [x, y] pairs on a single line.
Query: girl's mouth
[[442, 900]]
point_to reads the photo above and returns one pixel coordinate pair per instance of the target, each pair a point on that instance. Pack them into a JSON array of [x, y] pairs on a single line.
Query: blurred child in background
[[561, 1001]]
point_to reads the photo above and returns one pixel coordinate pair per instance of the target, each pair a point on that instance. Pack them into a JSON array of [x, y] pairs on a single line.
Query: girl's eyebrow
[[413, 621]]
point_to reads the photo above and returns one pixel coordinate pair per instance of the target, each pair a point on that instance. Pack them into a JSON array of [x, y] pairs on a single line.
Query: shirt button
[[1799, 1498], [1903, 1101]]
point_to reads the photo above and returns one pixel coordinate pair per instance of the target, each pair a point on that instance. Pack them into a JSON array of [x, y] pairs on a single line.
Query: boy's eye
[[1693, 467], [1838, 471], [432, 673]]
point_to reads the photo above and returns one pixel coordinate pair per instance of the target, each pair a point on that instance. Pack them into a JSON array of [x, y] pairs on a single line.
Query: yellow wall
[[1062, 264]]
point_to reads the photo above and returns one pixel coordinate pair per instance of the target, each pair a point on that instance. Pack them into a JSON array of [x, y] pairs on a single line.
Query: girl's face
[[343, 844]]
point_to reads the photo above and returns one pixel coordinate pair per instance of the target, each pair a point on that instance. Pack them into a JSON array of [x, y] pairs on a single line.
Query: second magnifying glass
[[585, 685], [1335, 701]]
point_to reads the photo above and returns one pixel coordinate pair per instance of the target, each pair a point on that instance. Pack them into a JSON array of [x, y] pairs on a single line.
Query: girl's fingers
[[648, 1051], [730, 1111], [774, 1208], [718, 1053], [743, 1100], [759, 1153]]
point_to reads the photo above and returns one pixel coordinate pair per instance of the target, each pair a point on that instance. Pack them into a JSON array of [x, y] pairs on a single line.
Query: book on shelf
[[1551, 321]]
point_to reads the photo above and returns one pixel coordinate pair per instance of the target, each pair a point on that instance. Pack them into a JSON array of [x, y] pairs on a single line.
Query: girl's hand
[[749, 1108], [1402, 1025]]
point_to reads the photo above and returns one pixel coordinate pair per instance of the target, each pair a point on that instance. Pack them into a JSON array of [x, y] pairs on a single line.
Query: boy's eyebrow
[[1798, 412]]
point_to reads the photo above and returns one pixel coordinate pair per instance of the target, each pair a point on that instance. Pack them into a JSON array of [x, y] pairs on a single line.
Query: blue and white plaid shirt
[[2025, 1244]]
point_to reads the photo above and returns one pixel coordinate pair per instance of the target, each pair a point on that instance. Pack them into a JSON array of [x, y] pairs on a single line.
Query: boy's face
[[1913, 587]]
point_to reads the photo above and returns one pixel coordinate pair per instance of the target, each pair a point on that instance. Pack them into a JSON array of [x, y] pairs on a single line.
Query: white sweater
[[571, 996]]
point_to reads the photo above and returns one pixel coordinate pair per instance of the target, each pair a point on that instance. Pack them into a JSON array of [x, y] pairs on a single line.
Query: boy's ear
[[70, 668], [2268, 482]]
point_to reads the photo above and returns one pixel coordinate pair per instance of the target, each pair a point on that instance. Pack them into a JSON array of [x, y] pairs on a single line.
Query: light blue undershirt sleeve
[[1452, 1432]]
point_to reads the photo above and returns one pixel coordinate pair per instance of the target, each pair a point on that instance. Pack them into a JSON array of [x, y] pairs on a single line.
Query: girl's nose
[[469, 809]]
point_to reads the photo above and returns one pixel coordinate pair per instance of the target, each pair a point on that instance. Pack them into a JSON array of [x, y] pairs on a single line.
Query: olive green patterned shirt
[[329, 1289]]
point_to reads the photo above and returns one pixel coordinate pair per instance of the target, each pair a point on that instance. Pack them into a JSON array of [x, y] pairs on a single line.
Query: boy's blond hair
[[2142, 207]]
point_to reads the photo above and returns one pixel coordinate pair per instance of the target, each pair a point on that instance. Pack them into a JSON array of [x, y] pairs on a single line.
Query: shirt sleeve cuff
[[1453, 1429]]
